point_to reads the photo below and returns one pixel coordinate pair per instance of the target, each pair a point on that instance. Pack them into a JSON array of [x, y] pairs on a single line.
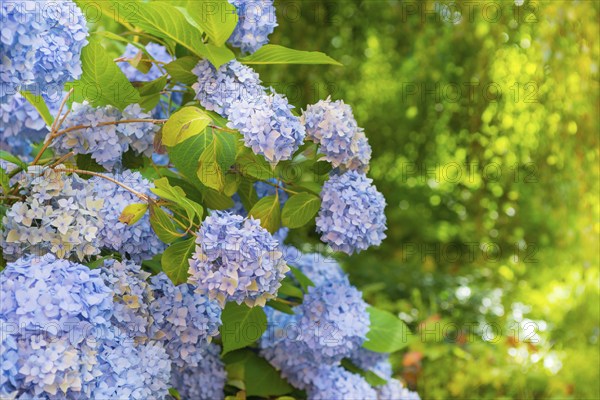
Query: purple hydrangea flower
[[236, 260], [333, 127], [41, 44], [257, 20], [138, 241], [352, 213], [265, 120], [183, 319], [367, 360], [318, 268], [204, 381], [106, 143]]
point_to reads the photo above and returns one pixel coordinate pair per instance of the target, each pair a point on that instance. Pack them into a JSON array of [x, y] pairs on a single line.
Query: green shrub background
[[492, 249]]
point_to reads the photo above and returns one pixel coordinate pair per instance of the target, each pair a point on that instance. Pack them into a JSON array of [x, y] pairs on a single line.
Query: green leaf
[[4, 181], [277, 305], [242, 326], [6, 156], [249, 164], [275, 54], [300, 210], [287, 288], [114, 10], [185, 123], [175, 260], [174, 393], [177, 196], [247, 194], [186, 154], [166, 21], [133, 213], [268, 211], [181, 69], [387, 333], [102, 81], [371, 377], [218, 55], [262, 379], [217, 201], [39, 103], [150, 93], [86, 162], [217, 18], [163, 225], [304, 281], [216, 159]]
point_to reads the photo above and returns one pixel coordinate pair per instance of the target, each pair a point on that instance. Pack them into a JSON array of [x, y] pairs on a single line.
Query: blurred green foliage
[[483, 117]]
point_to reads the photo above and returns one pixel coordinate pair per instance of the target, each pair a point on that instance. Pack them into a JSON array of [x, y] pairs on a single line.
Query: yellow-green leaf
[[185, 123], [133, 213]]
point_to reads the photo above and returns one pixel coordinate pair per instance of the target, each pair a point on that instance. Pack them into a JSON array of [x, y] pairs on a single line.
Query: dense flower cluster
[[236, 260], [352, 213], [58, 339], [395, 390], [206, 380], [331, 124], [60, 215], [367, 360], [318, 268], [21, 124], [138, 241], [265, 120], [334, 382], [331, 324], [257, 20], [183, 319], [106, 143], [132, 296], [41, 44]]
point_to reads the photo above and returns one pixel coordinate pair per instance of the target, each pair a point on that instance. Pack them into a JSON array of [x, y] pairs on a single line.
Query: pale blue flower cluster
[[106, 143], [21, 124], [257, 20], [395, 390], [236, 260], [331, 324], [41, 44], [158, 53], [60, 215], [132, 296], [352, 214], [331, 124], [184, 320], [334, 382], [50, 310], [206, 380], [318, 268], [265, 120], [367, 360], [138, 241]]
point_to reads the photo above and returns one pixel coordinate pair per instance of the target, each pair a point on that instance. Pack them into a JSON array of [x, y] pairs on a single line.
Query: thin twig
[[108, 178], [123, 121]]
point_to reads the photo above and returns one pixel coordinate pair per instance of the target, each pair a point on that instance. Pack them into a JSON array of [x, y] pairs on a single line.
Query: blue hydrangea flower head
[[352, 213], [265, 120], [331, 124], [50, 308], [395, 390], [236, 260], [21, 124], [334, 382], [333, 321], [367, 360], [138, 241], [257, 20], [132, 296], [318, 268], [183, 319], [106, 143], [41, 44], [60, 215], [204, 381]]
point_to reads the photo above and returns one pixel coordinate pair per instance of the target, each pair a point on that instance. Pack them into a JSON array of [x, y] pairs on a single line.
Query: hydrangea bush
[[148, 209]]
